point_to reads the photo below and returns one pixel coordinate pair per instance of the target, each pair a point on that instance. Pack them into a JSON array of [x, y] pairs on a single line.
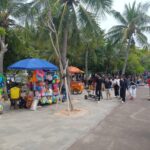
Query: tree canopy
[[81, 38]]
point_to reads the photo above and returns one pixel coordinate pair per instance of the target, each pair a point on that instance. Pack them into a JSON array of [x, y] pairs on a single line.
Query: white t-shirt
[[117, 81]]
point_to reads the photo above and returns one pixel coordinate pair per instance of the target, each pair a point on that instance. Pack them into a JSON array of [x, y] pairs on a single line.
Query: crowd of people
[[46, 90], [120, 84]]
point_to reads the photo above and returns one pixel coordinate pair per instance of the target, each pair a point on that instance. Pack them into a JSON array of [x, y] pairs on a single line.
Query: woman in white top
[[116, 85], [132, 89]]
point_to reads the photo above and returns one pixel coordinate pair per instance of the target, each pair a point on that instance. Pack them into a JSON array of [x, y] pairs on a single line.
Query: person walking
[[123, 88], [132, 89], [108, 85], [98, 86], [116, 85]]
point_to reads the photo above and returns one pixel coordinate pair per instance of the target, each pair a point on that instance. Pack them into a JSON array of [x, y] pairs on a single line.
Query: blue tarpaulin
[[33, 64]]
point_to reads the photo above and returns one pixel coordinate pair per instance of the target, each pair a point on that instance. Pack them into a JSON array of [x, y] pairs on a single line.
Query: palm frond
[[145, 7], [119, 17], [145, 28], [87, 20], [98, 6], [141, 38]]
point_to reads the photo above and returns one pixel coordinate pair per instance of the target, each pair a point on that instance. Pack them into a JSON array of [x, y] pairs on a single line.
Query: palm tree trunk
[[64, 63], [86, 65], [1, 62], [126, 58]]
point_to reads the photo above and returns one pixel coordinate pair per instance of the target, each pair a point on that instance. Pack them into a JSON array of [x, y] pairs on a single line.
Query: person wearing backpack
[[132, 89]]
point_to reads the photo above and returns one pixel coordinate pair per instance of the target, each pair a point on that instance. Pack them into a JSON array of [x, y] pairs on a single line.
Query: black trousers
[[116, 90], [98, 93], [123, 94]]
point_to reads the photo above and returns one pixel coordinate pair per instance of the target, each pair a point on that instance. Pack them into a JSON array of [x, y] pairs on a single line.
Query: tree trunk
[[126, 58], [86, 65], [61, 54], [64, 48], [3, 50], [65, 66], [1, 62]]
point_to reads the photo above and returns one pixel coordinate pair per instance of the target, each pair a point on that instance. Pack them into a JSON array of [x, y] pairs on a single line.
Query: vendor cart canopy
[[73, 70], [33, 64]]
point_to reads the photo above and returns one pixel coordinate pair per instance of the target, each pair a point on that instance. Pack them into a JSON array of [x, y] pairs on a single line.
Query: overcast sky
[[118, 5]]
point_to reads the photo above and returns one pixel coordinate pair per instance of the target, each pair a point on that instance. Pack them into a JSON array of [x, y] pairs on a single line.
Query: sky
[[107, 22]]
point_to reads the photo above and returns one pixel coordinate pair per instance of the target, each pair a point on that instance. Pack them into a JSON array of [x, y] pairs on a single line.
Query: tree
[[109, 54], [64, 20], [69, 16], [8, 9], [134, 22]]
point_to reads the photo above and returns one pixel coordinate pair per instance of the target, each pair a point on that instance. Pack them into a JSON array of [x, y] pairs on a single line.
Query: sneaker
[[98, 102], [122, 101]]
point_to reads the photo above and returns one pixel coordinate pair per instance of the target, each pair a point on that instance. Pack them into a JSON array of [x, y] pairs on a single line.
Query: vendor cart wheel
[[85, 97]]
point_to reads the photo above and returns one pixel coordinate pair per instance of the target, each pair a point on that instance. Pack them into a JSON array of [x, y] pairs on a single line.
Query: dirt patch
[[75, 113]]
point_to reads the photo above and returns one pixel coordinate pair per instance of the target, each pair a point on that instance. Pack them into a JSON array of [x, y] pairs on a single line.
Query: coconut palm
[[134, 23], [65, 19], [8, 10], [71, 14]]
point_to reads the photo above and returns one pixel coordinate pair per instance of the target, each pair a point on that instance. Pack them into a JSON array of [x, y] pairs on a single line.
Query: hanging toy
[[53, 81], [2, 81], [57, 81], [50, 101], [55, 76], [54, 99], [40, 75]]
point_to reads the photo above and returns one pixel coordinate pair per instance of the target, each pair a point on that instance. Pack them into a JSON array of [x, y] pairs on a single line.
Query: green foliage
[[2, 31], [84, 34], [134, 65]]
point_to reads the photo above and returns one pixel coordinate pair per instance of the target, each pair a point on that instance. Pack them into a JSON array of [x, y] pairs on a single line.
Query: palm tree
[[134, 23], [65, 19], [8, 10], [73, 15]]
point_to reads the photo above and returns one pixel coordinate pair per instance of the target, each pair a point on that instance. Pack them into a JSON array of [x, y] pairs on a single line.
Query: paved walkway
[[126, 128], [44, 130]]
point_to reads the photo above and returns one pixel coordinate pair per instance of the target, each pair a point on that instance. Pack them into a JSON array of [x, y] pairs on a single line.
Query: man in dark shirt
[[123, 88], [98, 86]]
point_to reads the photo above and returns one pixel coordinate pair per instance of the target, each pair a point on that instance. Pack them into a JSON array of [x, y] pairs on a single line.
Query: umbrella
[[73, 69], [33, 64]]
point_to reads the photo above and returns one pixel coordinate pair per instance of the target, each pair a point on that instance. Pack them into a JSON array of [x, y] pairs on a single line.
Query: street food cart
[[76, 86]]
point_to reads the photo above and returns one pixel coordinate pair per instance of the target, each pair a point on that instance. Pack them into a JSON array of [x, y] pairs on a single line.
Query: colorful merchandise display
[[2, 84], [43, 89]]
